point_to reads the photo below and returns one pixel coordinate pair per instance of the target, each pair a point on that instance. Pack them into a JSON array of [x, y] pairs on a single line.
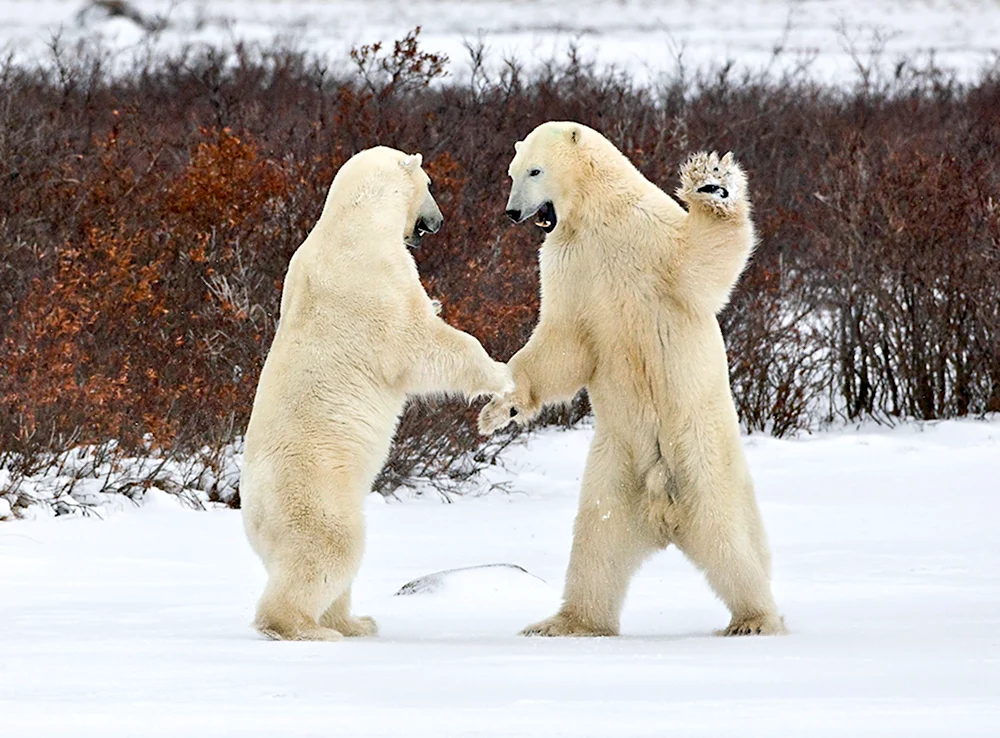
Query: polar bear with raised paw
[[357, 336], [630, 285]]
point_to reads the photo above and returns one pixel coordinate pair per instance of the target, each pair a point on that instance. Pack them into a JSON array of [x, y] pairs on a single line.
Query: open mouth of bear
[[420, 229], [546, 218]]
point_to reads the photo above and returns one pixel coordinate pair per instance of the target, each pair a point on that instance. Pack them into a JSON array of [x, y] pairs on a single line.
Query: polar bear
[[357, 335], [630, 288]]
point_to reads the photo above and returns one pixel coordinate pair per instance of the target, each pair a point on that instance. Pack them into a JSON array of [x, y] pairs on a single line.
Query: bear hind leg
[[732, 552], [612, 536]]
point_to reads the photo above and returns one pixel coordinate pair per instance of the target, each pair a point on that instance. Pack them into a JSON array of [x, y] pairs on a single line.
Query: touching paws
[[497, 413], [716, 184], [501, 381]]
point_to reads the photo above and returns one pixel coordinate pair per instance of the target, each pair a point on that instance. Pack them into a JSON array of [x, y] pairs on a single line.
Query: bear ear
[[411, 162], [727, 160], [518, 145], [574, 134]]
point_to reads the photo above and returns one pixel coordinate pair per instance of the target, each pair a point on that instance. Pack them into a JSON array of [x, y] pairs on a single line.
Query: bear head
[[393, 181], [547, 173]]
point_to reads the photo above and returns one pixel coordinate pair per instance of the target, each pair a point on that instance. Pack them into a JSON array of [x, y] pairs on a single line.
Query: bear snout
[[514, 215], [428, 225]]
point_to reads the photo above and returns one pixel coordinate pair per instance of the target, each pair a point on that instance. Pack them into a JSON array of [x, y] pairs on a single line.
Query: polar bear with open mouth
[[630, 285]]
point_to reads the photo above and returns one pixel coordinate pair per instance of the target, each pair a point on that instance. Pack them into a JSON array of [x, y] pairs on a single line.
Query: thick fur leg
[[453, 361], [496, 379], [338, 616], [715, 185], [294, 598], [279, 619], [732, 552], [612, 536]]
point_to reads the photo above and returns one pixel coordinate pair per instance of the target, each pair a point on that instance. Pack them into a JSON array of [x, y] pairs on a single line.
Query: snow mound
[[488, 581], [476, 602]]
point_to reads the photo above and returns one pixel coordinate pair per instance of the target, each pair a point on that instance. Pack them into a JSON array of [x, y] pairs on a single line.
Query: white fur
[[630, 287], [358, 334]]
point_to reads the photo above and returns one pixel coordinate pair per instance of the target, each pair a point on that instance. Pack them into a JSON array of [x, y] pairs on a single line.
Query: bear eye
[[534, 172]]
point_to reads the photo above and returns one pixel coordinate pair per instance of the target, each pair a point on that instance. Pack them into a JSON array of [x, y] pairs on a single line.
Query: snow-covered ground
[[887, 568], [641, 36]]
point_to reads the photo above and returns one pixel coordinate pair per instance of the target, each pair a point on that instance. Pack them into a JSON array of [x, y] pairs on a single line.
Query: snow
[[643, 37], [95, 479], [887, 558], [886, 569]]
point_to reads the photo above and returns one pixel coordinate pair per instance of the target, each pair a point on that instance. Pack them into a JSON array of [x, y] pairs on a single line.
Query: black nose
[[429, 224], [514, 215]]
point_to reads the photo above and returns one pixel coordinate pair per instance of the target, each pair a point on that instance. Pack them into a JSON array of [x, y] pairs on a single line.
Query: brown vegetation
[[146, 220]]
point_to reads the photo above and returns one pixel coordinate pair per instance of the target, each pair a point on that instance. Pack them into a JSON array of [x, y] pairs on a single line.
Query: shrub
[[147, 217]]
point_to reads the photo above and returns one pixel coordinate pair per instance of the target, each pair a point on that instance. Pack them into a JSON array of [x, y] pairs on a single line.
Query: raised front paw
[[496, 414], [707, 180], [564, 624]]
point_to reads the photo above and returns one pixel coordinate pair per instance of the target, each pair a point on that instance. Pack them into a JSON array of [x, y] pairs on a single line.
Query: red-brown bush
[[146, 220]]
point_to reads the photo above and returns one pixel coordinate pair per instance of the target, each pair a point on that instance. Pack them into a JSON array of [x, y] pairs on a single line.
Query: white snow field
[[887, 568], [643, 37]]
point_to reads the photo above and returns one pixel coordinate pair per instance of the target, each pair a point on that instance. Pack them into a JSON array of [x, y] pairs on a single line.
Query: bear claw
[[564, 625], [711, 189], [756, 625], [316, 633], [713, 183], [496, 414]]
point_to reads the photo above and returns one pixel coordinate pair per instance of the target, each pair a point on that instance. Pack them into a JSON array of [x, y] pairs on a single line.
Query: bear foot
[[562, 624], [715, 184], [359, 627], [317, 633], [755, 625], [352, 627]]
